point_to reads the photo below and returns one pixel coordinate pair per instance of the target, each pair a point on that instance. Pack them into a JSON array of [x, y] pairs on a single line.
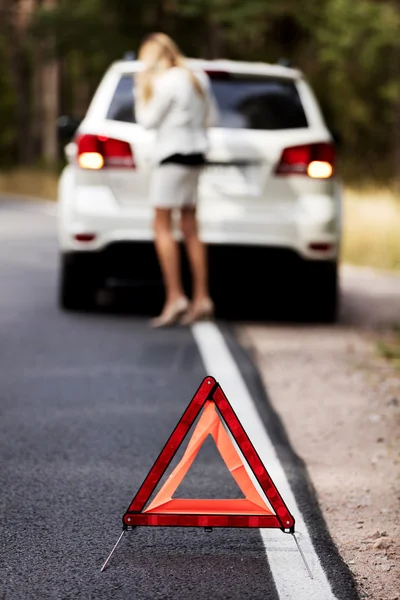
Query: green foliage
[[390, 349], [358, 53], [75, 25], [348, 49]]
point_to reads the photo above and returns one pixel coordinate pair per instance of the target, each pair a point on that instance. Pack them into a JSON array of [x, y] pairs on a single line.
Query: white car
[[269, 191]]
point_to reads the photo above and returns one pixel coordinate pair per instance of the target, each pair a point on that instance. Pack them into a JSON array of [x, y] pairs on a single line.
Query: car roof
[[230, 66]]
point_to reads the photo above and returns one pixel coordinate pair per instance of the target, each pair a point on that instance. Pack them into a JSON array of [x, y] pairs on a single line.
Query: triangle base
[[179, 520]]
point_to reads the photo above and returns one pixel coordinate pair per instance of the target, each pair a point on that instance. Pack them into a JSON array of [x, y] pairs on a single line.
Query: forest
[[54, 52]]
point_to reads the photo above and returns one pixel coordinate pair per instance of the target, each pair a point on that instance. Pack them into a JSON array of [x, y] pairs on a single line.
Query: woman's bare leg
[[168, 256], [197, 255]]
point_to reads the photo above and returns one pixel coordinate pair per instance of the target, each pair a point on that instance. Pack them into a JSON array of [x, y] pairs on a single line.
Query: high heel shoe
[[199, 311], [172, 314]]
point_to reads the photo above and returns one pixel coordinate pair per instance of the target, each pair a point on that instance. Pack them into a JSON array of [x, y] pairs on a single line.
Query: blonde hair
[[169, 50]]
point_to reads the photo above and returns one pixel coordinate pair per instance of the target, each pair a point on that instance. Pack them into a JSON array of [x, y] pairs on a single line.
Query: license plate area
[[235, 178]]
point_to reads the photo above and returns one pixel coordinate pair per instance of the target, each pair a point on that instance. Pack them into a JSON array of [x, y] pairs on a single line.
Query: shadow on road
[[246, 284], [367, 299]]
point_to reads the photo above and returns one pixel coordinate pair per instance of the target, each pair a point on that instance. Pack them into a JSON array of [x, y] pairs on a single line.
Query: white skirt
[[174, 186]]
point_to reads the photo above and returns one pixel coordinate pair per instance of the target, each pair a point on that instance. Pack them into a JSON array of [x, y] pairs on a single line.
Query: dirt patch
[[340, 403]]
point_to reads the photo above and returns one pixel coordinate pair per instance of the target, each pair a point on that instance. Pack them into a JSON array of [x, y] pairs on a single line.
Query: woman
[[177, 103]]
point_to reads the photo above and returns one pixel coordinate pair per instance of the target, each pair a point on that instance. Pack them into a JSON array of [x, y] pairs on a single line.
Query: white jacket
[[178, 113]]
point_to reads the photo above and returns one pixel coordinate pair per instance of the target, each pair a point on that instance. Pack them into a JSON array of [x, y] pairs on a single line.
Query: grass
[[371, 218], [390, 348], [371, 235], [29, 182]]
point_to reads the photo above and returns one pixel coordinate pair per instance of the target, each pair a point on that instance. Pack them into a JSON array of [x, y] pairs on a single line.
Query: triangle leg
[[112, 551], [302, 555]]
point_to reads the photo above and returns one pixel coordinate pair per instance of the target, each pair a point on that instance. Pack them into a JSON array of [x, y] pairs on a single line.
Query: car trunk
[[259, 117]]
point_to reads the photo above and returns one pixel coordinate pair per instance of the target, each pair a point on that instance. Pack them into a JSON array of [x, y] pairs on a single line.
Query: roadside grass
[[371, 229], [371, 218], [390, 347], [38, 183]]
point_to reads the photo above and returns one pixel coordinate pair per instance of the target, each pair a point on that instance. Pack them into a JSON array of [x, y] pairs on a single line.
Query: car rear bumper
[[294, 225], [297, 233]]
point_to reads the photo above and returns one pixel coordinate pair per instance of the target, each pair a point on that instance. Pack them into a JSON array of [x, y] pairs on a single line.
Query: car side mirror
[[66, 127]]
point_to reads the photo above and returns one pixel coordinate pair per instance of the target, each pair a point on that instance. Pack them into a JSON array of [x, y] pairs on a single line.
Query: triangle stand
[[112, 551], [217, 418], [302, 555]]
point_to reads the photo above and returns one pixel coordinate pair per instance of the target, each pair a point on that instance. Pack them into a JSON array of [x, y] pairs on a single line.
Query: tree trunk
[[216, 42], [15, 21], [50, 80], [37, 94], [50, 111], [80, 86]]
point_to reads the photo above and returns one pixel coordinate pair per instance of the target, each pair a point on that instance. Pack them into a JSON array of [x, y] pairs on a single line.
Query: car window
[[248, 102], [245, 102], [122, 105]]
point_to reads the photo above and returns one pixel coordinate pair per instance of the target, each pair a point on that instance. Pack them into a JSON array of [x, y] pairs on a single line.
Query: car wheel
[[320, 291], [77, 282]]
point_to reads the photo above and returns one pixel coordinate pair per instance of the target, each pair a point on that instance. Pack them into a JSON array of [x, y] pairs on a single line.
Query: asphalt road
[[86, 403]]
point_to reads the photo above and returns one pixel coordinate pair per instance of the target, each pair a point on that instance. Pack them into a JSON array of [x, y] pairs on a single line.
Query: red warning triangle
[[252, 511]]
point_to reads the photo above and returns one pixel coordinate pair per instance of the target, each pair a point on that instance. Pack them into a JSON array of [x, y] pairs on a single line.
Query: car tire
[[77, 281], [320, 295]]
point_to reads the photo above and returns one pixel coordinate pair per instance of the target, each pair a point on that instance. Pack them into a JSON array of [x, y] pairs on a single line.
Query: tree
[[49, 69], [56, 51], [16, 18], [358, 52]]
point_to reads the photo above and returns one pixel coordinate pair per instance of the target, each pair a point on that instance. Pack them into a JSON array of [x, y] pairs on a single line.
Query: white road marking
[[290, 575]]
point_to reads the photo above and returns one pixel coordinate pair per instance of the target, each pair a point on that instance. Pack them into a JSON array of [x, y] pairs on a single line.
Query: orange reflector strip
[[188, 506]]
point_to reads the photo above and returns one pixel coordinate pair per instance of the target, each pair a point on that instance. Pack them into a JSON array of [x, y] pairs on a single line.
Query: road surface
[[87, 402]]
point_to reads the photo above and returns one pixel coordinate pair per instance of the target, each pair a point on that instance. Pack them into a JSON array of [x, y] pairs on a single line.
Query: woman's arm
[[150, 114]]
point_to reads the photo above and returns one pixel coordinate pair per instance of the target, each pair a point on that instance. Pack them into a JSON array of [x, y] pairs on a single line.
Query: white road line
[[290, 575]]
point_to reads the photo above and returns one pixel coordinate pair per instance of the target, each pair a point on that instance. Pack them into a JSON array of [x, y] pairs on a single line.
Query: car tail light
[[97, 152], [315, 160]]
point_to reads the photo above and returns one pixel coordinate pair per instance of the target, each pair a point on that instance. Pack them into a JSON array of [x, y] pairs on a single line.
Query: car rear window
[[245, 102], [122, 105], [252, 102]]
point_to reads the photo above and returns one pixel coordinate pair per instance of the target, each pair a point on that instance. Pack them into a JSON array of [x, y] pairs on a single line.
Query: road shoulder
[[340, 404]]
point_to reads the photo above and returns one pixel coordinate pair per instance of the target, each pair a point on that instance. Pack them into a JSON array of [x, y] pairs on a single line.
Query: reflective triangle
[[249, 512]]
